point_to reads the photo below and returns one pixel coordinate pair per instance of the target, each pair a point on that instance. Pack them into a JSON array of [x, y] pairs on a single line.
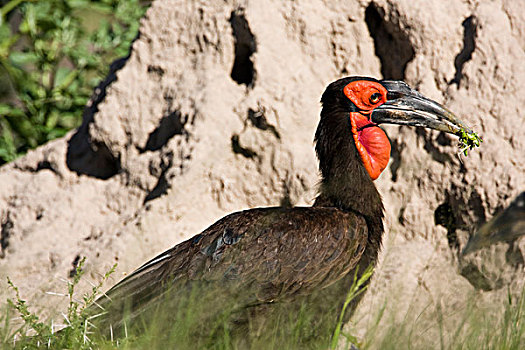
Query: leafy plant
[[52, 54], [76, 335]]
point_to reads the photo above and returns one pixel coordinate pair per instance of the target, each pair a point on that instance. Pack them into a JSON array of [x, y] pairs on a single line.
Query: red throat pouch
[[372, 144]]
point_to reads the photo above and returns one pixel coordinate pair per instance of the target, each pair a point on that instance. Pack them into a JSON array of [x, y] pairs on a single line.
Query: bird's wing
[[260, 255]]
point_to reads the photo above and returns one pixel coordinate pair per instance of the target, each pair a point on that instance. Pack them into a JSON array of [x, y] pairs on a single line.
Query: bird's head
[[358, 105]]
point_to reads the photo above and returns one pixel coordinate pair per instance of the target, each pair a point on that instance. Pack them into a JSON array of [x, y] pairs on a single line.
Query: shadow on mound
[[392, 44], [88, 157]]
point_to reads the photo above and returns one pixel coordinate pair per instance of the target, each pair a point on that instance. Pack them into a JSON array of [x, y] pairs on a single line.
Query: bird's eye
[[375, 98]]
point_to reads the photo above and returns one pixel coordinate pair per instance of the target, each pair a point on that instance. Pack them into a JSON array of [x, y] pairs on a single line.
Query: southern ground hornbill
[[263, 267]]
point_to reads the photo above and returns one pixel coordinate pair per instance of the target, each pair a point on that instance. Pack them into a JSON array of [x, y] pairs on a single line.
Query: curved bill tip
[[406, 106]]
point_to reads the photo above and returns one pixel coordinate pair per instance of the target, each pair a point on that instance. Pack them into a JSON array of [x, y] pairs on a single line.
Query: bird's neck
[[345, 182], [349, 187]]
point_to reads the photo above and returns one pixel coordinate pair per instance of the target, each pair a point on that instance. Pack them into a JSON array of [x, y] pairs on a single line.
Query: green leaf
[[7, 110], [7, 142], [6, 45], [22, 58], [468, 140], [101, 8], [29, 22], [5, 31], [10, 6], [357, 287]]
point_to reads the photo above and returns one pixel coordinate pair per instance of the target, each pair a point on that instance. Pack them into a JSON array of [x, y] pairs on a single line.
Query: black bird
[[258, 262]]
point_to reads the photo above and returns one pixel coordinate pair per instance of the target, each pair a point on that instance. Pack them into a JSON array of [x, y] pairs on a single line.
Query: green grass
[[34, 333], [474, 324], [201, 319], [500, 327]]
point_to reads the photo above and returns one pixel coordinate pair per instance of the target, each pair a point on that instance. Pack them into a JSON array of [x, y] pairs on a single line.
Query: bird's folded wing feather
[[263, 254]]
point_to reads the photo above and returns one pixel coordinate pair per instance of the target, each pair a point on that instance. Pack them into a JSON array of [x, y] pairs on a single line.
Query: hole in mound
[[243, 71], [469, 45], [445, 216], [477, 279], [6, 229], [86, 156], [160, 189], [169, 126], [395, 155], [163, 183], [392, 45], [238, 149], [258, 119], [73, 271]]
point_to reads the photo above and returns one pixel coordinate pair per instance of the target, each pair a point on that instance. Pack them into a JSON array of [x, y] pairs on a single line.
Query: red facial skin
[[371, 142]]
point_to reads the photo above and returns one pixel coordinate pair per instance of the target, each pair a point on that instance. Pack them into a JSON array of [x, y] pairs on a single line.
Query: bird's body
[[278, 253], [256, 258], [256, 262]]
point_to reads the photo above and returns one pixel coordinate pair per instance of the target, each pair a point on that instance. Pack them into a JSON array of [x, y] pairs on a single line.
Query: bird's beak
[[406, 106]]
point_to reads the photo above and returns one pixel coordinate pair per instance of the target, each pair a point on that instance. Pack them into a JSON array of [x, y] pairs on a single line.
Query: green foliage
[[77, 333], [474, 325], [468, 140], [171, 327], [358, 287], [502, 327], [52, 54]]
